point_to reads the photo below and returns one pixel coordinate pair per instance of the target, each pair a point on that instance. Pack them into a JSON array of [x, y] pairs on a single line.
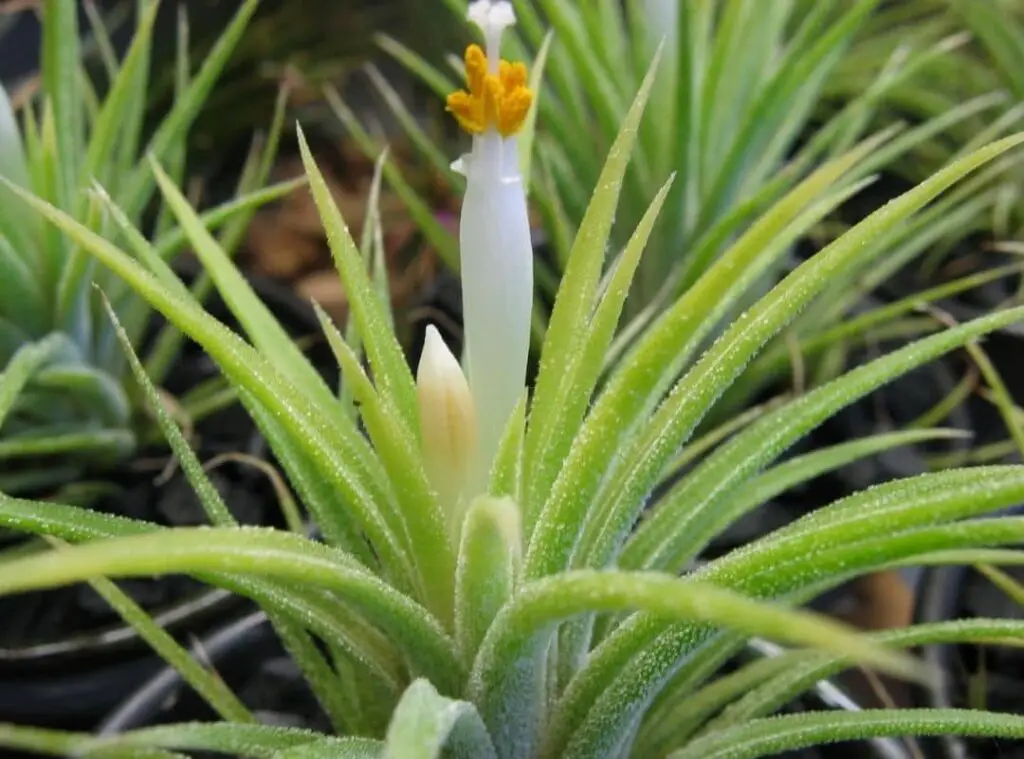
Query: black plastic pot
[[72, 679]]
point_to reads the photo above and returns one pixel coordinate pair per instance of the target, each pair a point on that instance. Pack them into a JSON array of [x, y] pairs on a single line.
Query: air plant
[[530, 597]]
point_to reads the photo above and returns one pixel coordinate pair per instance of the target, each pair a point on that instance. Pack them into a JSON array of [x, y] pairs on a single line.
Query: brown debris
[[286, 241]]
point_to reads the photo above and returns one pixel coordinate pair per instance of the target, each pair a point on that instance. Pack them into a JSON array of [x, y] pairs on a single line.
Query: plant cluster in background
[[70, 409]]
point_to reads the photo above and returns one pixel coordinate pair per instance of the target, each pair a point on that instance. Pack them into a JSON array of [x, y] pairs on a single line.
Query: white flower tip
[[492, 16], [460, 166], [436, 357]]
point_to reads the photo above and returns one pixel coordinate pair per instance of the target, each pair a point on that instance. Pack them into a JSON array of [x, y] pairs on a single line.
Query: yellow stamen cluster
[[499, 100]]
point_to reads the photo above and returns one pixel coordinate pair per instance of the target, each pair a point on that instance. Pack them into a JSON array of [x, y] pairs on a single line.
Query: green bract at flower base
[[547, 624], [66, 399]]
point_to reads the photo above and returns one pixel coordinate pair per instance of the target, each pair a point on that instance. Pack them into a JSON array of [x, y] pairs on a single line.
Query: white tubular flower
[[447, 423], [496, 252]]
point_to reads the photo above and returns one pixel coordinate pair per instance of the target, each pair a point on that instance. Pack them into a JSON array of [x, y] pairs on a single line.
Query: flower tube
[[494, 235]]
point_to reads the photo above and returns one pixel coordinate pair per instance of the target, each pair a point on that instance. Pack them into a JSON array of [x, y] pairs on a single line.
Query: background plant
[[70, 404], [750, 98], [514, 642]]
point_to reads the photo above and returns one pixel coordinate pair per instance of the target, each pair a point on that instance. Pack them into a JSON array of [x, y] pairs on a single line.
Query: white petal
[[493, 17], [461, 165]]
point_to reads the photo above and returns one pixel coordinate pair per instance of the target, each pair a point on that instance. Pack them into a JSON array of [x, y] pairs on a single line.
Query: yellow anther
[[499, 100]]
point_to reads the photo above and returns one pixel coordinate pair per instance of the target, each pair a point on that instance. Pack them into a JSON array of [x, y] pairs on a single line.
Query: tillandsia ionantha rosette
[[495, 577], [70, 410]]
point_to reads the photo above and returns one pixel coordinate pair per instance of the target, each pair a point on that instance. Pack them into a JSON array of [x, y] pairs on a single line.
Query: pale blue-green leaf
[[25, 363], [426, 725]]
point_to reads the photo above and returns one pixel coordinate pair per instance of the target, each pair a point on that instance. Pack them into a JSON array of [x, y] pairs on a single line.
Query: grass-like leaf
[[770, 736]]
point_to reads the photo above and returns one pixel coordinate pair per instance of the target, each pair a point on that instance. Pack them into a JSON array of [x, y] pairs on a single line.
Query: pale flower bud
[[447, 422]]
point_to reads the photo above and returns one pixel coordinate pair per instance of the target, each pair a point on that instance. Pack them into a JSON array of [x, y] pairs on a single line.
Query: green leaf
[[503, 681], [774, 735], [257, 552], [775, 361], [769, 683], [634, 662], [216, 510], [690, 399], [695, 511], [103, 394], [258, 741], [792, 472], [335, 748], [803, 671], [263, 329], [506, 472], [25, 363], [555, 422], [325, 615], [438, 83], [426, 723], [62, 87], [338, 458], [391, 372], [633, 392], [207, 683], [14, 166], [437, 236], [575, 300], [102, 445], [123, 104], [526, 134], [412, 130], [21, 299], [176, 239], [187, 106], [421, 520], [488, 569]]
